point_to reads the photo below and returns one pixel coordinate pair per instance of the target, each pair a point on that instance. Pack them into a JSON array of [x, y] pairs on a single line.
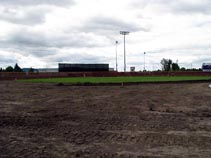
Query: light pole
[[116, 56], [124, 33], [144, 61]]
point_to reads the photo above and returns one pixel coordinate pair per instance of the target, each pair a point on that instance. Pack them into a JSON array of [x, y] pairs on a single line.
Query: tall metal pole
[[144, 61], [116, 56], [124, 33], [124, 56]]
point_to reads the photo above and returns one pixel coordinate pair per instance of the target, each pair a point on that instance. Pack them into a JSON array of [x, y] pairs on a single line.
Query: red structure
[[22, 75]]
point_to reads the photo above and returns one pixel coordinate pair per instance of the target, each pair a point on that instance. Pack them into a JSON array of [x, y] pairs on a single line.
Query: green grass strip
[[119, 79]]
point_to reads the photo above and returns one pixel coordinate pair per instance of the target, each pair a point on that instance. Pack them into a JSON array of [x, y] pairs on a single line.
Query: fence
[[21, 75]]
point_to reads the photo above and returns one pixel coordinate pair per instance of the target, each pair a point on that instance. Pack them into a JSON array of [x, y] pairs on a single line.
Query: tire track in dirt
[[82, 122]]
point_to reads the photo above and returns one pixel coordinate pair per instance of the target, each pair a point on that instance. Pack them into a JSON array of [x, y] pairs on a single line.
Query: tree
[[183, 69], [17, 68], [9, 69], [166, 64], [175, 67], [1, 69], [31, 70]]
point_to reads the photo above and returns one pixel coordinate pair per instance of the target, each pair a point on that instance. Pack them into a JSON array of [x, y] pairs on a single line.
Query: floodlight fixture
[[124, 33]]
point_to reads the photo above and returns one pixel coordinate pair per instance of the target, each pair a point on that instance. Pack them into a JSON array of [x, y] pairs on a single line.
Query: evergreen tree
[[175, 67], [183, 69], [9, 69], [17, 68], [31, 70]]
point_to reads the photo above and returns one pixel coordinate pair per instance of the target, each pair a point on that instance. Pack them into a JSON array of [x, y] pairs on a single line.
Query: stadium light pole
[[144, 61], [124, 33], [116, 57]]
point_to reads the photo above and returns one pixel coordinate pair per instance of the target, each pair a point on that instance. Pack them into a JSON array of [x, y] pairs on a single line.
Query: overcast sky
[[42, 33]]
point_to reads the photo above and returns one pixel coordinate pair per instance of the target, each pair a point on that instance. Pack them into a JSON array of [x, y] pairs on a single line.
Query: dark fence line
[[22, 75]]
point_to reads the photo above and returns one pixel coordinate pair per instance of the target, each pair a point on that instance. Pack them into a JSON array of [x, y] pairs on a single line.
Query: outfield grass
[[120, 79]]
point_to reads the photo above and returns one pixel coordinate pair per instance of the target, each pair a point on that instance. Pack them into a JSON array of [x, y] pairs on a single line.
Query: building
[[27, 70], [132, 69], [48, 70], [37, 70], [111, 69], [64, 67], [206, 67]]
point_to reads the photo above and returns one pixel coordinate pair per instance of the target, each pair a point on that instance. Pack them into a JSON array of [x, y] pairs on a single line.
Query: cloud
[[23, 38], [49, 31], [36, 2], [5, 60], [28, 16], [38, 40], [175, 7], [39, 52], [202, 7], [202, 59], [187, 6], [29, 12], [108, 24], [71, 57]]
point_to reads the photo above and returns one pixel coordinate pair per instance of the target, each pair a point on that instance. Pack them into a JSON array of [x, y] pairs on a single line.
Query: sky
[[43, 33]]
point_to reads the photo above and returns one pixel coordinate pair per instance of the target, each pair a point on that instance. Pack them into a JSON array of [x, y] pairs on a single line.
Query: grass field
[[120, 79]]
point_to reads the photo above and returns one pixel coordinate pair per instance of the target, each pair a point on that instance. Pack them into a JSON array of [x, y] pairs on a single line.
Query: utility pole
[[116, 57], [124, 33]]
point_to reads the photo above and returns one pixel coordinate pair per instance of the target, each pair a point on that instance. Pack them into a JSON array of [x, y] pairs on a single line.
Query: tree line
[[169, 65], [16, 68]]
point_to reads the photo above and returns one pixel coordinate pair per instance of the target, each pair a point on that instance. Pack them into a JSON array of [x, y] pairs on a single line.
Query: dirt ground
[[137, 121]]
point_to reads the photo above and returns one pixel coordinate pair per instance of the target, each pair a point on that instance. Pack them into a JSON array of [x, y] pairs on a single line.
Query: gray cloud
[[28, 39], [202, 7], [7, 60], [36, 2], [109, 24], [81, 57], [203, 59], [186, 48], [27, 17], [176, 7], [25, 39], [97, 34], [41, 52]]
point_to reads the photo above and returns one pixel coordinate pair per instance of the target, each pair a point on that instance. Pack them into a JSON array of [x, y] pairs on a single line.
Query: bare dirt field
[[138, 121]]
